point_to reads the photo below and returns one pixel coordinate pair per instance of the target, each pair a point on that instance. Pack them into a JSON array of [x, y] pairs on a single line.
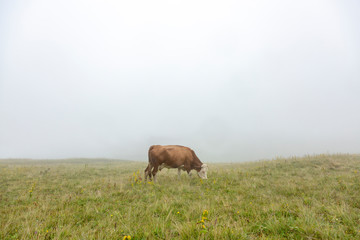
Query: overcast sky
[[234, 80]]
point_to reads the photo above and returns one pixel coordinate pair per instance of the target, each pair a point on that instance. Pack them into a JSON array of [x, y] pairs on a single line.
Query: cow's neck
[[197, 165]]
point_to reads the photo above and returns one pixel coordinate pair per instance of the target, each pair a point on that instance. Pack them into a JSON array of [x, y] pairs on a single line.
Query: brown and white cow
[[174, 156]]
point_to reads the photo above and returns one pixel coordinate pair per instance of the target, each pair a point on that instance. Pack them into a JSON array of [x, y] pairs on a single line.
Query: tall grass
[[314, 197]]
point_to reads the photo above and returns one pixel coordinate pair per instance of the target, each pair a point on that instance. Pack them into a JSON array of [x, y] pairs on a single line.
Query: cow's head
[[203, 171]]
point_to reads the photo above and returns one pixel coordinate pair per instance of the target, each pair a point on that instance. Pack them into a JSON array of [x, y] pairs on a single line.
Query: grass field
[[314, 197]]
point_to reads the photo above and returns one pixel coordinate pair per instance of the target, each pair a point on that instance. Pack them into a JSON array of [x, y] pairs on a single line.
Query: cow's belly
[[164, 165]]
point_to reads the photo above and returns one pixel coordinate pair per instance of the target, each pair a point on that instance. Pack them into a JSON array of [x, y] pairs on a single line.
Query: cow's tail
[[151, 161], [150, 164]]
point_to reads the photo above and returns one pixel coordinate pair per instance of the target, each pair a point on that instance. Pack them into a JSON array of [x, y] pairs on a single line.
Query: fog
[[234, 80]]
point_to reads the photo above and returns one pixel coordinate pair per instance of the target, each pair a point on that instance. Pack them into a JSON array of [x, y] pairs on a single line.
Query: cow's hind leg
[[148, 172], [145, 172], [154, 171]]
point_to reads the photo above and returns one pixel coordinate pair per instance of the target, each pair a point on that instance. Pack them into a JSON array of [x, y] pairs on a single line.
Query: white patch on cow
[[203, 172]]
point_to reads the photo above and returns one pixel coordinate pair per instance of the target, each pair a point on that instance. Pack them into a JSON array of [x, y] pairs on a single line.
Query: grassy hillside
[[316, 197]]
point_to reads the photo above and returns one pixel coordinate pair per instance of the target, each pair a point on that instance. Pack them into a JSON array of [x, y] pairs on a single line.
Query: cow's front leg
[[189, 172]]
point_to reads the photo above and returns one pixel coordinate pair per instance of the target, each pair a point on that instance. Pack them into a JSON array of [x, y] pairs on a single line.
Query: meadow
[[312, 197]]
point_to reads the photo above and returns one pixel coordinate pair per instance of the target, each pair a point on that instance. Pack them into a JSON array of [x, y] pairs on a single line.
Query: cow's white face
[[203, 172]]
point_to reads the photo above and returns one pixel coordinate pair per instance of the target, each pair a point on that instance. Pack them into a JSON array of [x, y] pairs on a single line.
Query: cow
[[174, 156]]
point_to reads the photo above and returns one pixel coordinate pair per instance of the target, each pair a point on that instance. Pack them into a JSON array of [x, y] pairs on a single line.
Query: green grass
[[314, 197]]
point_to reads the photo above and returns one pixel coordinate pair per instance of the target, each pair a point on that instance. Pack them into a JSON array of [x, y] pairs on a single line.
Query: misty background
[[234, 80]]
